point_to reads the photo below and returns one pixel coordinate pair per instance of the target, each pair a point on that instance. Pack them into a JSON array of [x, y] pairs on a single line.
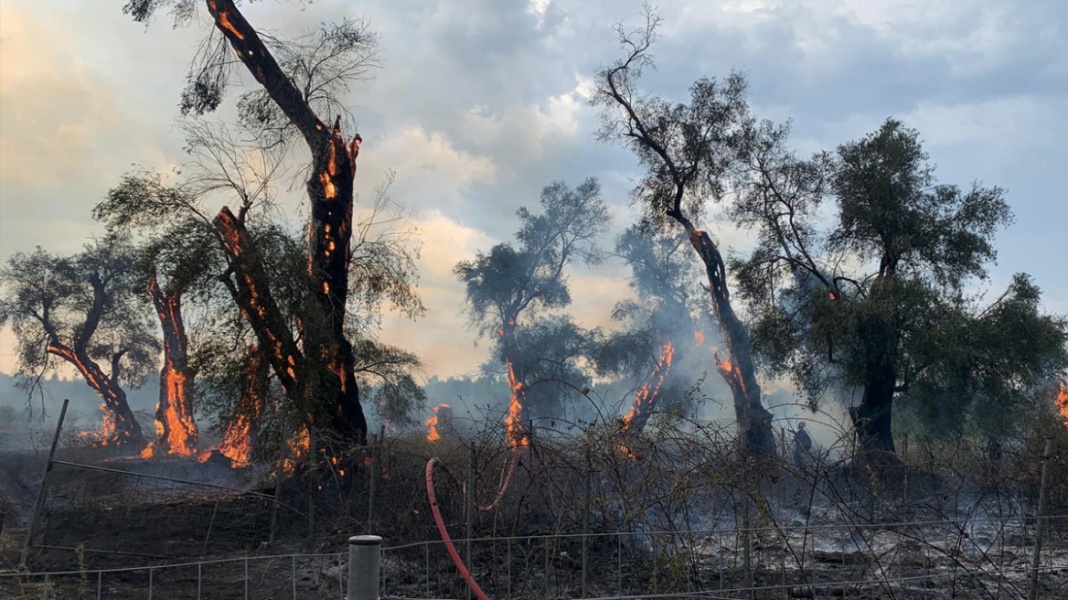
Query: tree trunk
[[176, 427], [330, 195], [754, 421], [120, 427], [518, 434], [237, 439], [873, 419], [647, 396]]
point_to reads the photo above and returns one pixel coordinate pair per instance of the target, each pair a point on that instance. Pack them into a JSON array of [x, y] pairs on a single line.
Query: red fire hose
[[445, 532], [504, 486]]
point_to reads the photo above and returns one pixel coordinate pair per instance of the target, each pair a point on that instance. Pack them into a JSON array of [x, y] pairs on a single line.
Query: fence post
[[1033, 593], [365, 564], [43, 491], [586, 523], [470, 509]]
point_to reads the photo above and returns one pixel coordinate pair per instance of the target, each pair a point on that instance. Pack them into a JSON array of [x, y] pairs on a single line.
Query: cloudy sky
[[481, 103]]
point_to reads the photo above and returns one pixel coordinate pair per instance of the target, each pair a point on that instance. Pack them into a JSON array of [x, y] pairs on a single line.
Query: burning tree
[[177, 256], [688, 151], [663, 330], [876, 301], [82, 310], [319, 364], [509, 285]]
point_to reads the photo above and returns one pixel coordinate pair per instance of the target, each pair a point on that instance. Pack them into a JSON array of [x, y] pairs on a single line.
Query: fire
[[299, 447], [699, 337], [733, 375], [432, 434], [647, 392], [178, 432], [237, 441], [300, 444], [516, 435], [224, 21], [1062, 401], [108, 427], [647, 395]]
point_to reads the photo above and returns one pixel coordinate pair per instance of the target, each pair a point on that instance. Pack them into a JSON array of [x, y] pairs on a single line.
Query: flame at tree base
[[518, 436], [646, 397]]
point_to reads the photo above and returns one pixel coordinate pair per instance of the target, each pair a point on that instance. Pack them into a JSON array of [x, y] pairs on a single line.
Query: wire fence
[[980, 558]]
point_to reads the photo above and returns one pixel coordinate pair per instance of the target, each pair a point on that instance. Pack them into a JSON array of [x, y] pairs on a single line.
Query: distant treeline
[[17, 409]]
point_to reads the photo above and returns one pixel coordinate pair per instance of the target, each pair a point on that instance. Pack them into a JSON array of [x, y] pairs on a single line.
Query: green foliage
[[551, 350], [881, 291], [510, 286], [89, 299], [510, 280]]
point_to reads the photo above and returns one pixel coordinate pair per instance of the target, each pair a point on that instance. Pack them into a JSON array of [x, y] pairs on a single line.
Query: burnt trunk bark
[[647, 396], [517, 419], [238, 438], [120, 427], [873, 418], [754, 421], [176, 426], [330, 195]]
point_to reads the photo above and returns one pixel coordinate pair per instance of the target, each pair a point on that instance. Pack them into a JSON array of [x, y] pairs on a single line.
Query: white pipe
[[365, 561]]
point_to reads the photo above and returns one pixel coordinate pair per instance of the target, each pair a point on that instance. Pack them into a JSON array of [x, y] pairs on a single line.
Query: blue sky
[[481, 103]]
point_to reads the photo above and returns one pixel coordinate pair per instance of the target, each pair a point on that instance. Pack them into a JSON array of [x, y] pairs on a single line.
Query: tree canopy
[[877, 302]]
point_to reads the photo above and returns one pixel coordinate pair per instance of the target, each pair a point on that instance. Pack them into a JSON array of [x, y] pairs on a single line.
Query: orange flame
[[108, 427], [432, 434], [517, 436], [647, 395], [733, 375], [1062, 401], [699, 337], [299, 447], [177, 432], [237, 441]]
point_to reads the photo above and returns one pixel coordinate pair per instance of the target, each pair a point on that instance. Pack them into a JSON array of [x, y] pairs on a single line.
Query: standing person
[[802, 445]]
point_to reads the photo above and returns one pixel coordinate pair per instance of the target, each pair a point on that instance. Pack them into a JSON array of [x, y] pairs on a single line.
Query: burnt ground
[[98, 520]]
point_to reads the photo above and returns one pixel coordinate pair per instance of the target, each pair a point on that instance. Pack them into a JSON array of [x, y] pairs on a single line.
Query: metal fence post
[[1036, 559], [38, 506], [365, 564]]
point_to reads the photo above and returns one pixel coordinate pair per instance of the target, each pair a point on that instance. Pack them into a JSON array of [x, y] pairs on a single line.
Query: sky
[[479, 104]]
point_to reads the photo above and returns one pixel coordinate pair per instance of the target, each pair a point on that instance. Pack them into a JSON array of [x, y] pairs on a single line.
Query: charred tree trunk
[[873, 419], [237, 439], [120, 427], [754, 421], [647, 396], [515, 420], [330, 194], [175, 425]]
